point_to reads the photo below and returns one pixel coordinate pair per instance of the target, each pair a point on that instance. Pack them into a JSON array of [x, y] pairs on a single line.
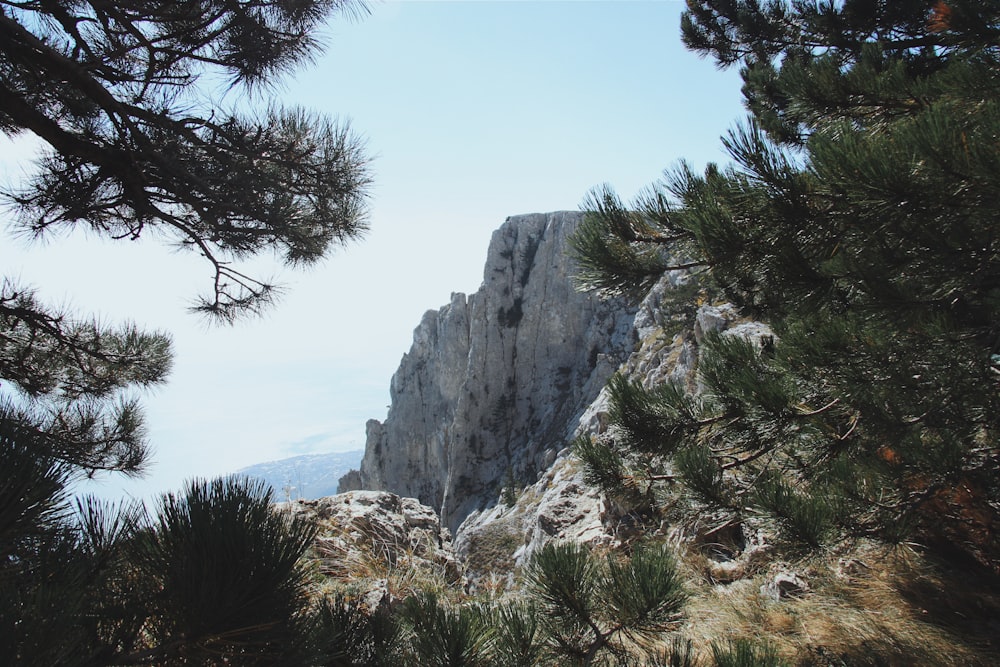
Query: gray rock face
[[561, 506], [394, 525], [366, 536], [494, 383], [497, 384], [349, 482]]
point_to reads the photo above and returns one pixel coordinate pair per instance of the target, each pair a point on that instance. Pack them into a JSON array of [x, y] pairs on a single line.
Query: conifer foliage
[[577, 607], [215, 575], [859, 221], [594, 608], [226, 569], [132, 147]]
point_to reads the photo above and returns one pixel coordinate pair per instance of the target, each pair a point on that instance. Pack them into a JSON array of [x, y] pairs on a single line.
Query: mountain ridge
[[306, 476]]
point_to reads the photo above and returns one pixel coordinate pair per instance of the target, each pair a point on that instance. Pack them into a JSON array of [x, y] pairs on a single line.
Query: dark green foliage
[[745, 653], [348, 635], [804, 63], [73, 380], [702, 474], [134, 149], [216, 575], [622, 262], [565, 579], [46, 607], [739, 378], [644, 593], [32, 488], [443, 636], [508, 492], [858, 220], [45, 575], [805, 516], [227, 567], [679, 654], [656, 420], [517, 639], [604, 466], [589, 606]]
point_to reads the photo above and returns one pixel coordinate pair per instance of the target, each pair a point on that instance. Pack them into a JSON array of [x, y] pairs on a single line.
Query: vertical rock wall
[[494, 383]]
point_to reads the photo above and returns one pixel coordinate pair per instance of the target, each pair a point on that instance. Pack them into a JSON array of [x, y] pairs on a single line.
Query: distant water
[[305, 477]]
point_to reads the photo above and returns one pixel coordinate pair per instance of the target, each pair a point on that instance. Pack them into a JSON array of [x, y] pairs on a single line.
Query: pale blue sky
[[474, 111]]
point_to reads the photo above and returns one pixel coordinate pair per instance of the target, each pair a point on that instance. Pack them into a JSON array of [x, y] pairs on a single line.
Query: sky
[[472, 111]]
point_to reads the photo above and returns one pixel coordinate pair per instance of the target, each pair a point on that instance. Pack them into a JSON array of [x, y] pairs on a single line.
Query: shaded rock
[[377, 597], [349, 482], [713, 318], [783, 585], [569, 509], [757, 333]]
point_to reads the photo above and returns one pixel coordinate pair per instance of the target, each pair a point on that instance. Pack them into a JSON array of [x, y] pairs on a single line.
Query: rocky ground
[[484, 407]]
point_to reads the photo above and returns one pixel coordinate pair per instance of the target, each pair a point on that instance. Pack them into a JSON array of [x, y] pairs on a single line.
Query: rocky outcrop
[[441, 442], [367, 535], [561, 505], [349, 482], [497, 384], [494, 383]]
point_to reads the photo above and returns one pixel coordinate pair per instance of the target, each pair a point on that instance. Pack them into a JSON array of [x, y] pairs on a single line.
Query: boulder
[[784, 584], [370, 534]]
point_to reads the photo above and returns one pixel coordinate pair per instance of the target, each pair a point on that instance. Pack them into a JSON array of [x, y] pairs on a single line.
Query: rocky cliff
[[495, 382], [495, 386], [668, 326]]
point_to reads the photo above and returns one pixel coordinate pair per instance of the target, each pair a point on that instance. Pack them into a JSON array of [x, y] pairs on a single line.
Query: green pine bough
[[858, 220]]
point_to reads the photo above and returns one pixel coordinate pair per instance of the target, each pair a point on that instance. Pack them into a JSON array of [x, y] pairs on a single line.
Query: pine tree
[[350, 635], [443, 635], [132, 149], [226, 568], [859, 221], [112, 89], [216, 574], [592, 607]]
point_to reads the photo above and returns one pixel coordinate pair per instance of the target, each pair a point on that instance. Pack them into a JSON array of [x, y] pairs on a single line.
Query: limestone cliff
[[502, 381], [669, 326], [494, 383]]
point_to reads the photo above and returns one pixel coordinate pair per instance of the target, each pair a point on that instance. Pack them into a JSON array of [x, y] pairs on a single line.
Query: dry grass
[[863, 607], [345, 563], [491, 550]]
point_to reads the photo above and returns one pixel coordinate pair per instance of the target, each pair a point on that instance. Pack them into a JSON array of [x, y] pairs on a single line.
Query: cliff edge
[[495, 382]]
